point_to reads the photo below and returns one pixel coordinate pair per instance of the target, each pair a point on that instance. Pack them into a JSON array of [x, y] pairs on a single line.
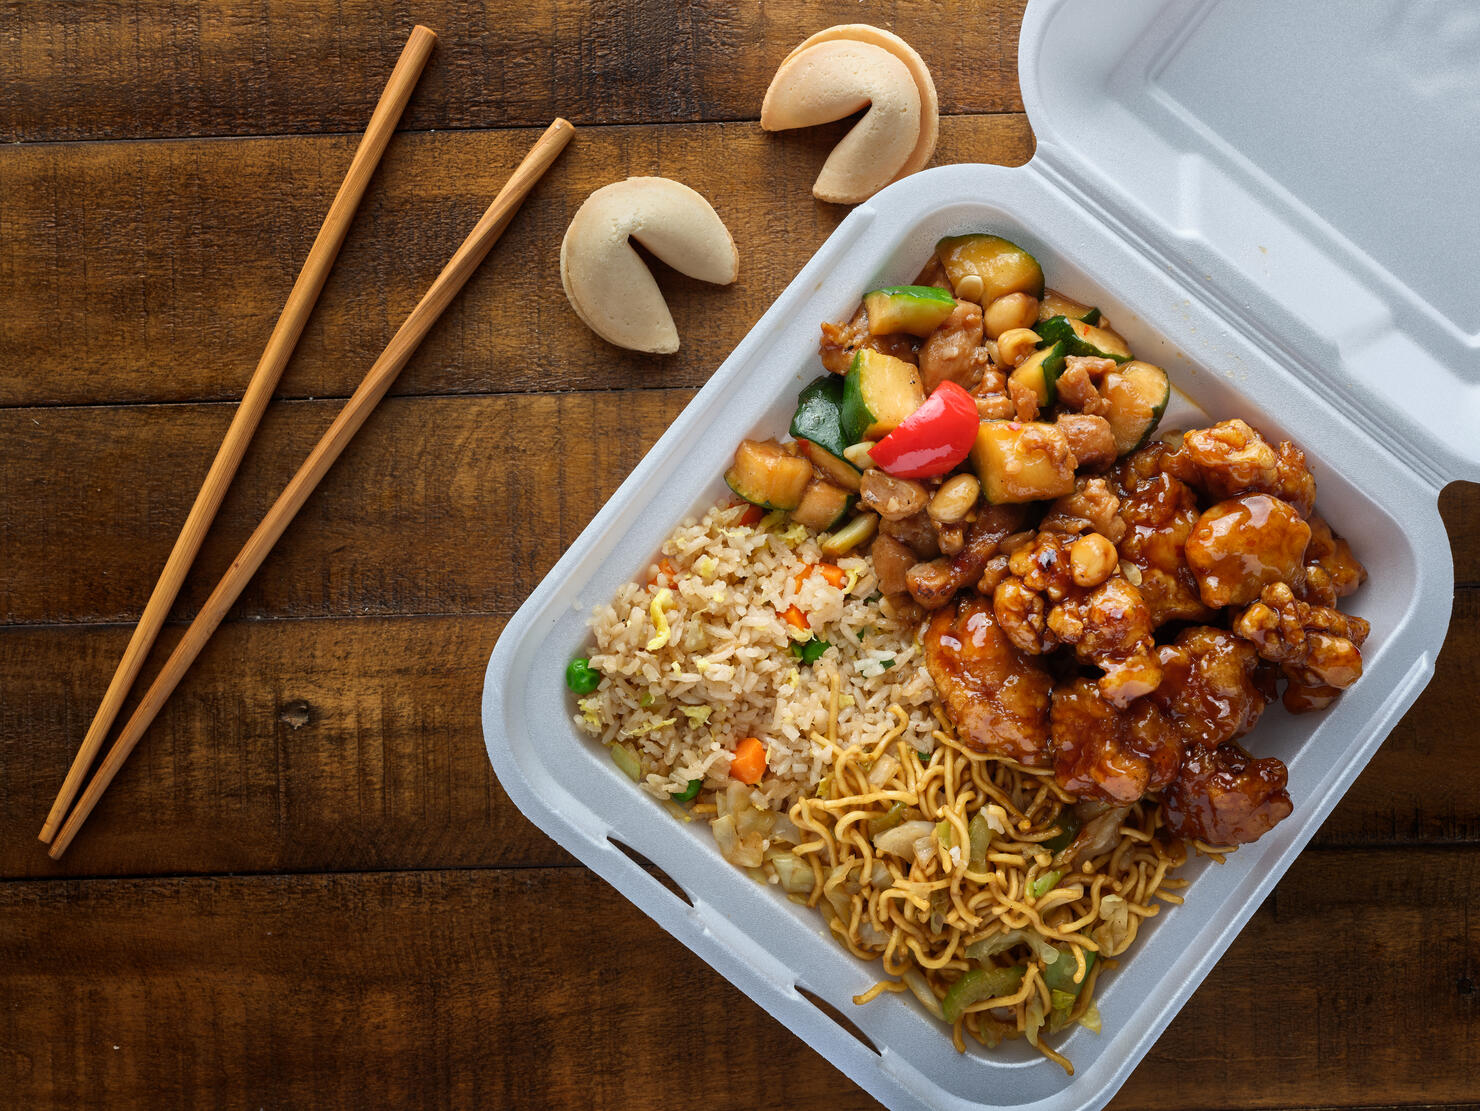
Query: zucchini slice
[[916, 310], [823, 506], [1022, 461], [819, 414], [835, 469], [879, 392], [767, 475], [1137, 394], [1080, 338], [1055, 304], [1003, 267], [1040, 372]]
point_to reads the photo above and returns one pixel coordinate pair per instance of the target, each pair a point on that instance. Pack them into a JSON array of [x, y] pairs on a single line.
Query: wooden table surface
[[307, 888]]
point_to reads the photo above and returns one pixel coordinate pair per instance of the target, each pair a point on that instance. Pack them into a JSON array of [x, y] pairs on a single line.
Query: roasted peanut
[[955, 498], [970, 288], [1016, 345], [1016, 310], [1092, 559]]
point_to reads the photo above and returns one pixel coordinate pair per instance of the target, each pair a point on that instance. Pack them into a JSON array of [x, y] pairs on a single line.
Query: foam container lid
[[1304, 165], [1207, 173]]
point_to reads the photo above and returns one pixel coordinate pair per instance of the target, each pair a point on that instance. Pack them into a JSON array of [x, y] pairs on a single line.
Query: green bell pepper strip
[[1068, 828], [1059, 976], [979, 984], [1046, 883]]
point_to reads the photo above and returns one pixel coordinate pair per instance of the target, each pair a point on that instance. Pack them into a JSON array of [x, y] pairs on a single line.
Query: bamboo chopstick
[[354, 414], [259, 390]]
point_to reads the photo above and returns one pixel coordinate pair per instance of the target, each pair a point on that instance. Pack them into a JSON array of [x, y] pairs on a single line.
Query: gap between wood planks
[[512, 129], [1323, 848]]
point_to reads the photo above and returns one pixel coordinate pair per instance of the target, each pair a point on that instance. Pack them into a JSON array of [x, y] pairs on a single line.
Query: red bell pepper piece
[[935, 438]]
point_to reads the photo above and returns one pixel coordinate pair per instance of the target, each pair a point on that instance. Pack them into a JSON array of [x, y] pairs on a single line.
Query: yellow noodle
[[927, 913], [879, 989]]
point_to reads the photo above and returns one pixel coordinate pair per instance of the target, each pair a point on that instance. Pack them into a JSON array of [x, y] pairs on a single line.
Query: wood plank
[[545, 988], [442, 505], [290, 746], [137, 69], [154, 271], [389, 769], [1460, 505]]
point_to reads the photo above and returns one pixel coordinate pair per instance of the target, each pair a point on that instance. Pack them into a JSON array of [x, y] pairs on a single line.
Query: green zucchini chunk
[[1022, 461], [1137, 394], [819, 414], [767, 475], [879, 392], [1055, 304], [1080, 338], [1002, 266], [823, 506], [1040, 372], [916, 310]]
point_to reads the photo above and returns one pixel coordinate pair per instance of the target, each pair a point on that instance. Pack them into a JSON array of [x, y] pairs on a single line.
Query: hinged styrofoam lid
[[1310, 169]]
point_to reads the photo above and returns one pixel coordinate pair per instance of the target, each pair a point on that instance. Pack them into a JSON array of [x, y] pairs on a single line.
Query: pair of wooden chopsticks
[[259, 390]]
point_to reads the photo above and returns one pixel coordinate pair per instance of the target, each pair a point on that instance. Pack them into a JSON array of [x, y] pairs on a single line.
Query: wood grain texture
[[356, 744], [112, 258], [1460, 505], [454, 957], [451, 505], [442, 505], [258, 393], [266, 533], [292, 746], [133, 69], [474, 971]]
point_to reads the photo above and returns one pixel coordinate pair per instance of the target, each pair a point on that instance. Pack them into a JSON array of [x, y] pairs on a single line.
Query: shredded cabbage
[[900, 841], [991, 946], [624, 758], [1090, 1019], [915, 980], [1114, 934], [794, 874]]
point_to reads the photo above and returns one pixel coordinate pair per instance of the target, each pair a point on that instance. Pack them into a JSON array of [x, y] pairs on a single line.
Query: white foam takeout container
[[1259, 196]]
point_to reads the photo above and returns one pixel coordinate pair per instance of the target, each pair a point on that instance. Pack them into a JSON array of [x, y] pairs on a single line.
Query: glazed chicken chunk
[[1158, 513], [1241, 545], [1318, 648], [1331, 570], [1210, 685], [1103, 753], [997, 697], [1223, 796], [1231, 458], [1060, 593]]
